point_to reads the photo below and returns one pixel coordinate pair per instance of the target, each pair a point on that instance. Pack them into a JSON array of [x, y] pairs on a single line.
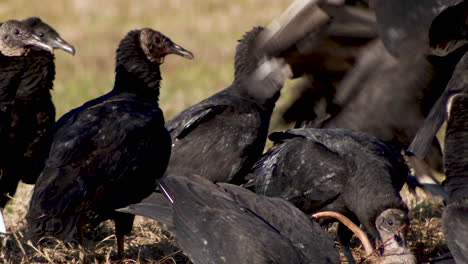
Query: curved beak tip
[[186, 54], [182, 52], [70, 49], [189, 56], [64, 46]]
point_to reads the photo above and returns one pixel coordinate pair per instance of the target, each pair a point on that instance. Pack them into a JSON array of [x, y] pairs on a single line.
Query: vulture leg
[[123, 226], [344, 235], [80, 226]]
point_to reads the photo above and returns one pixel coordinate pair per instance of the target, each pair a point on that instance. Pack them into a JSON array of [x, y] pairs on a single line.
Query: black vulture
[[411, 28], [222, 136], [375, 99], [109, 152], [325, 59], [339, 170], [16, 41], [33, 113], [455, 215], [427, 27], [225, 223], [436, 117]]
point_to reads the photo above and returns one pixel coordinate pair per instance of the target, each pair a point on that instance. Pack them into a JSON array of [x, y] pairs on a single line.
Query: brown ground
[[148, 243], [210, 29]]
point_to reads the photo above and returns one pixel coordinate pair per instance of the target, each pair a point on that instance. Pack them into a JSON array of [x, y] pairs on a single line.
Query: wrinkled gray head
[[157, 46], [16, 39], [392, 225], [47, 33]]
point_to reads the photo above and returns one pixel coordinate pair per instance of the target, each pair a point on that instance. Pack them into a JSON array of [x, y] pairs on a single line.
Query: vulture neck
[[248, 84], [39, 75], [263, 90], [134, 73]]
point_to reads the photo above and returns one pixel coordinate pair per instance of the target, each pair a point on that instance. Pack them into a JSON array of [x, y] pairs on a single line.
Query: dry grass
[[148, 243], [210, 29], [425, 236]]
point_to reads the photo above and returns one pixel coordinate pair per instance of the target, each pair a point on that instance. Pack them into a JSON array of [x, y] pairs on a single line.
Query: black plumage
[[33, 112], [375, 99], [15, 47], [107, 153], [225, 223], [434, 120], [429, 27], [455, 215], [325, 59], [338, 170], [223, 135], [410, 28]]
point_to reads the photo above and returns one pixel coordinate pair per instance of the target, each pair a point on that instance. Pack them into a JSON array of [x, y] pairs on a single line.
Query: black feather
[[455, 215], [224, 223], [107, 153], [222, 136]]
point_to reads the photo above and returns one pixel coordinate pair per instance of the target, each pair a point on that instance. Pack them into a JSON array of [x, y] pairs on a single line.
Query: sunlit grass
[[210, 29]]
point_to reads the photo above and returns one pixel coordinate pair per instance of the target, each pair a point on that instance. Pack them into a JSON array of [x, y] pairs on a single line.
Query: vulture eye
[[16, 32], [41, 35], [5, 37], [390, 222]]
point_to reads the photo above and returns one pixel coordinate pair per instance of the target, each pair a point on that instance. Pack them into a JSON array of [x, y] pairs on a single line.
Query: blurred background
[[208, 28]]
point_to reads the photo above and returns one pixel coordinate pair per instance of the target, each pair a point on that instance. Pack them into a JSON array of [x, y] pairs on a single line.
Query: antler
[[353, 227]]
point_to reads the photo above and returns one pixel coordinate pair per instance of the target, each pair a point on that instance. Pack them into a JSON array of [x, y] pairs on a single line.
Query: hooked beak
[[178, 50], [59, 43], [37, 42]]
